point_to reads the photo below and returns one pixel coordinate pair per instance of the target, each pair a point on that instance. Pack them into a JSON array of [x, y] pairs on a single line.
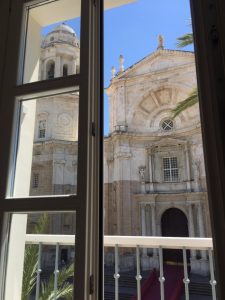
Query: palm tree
[[185, 40], [64, 289], [192, 99]]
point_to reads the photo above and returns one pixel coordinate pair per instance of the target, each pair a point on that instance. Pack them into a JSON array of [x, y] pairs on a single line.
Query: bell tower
[[60, 53]]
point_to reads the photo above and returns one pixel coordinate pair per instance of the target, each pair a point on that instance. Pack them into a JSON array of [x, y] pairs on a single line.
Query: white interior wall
[[62, 10], [14, 274]]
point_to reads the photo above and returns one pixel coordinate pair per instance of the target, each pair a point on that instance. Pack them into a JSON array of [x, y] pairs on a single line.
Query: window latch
[[91, 288]]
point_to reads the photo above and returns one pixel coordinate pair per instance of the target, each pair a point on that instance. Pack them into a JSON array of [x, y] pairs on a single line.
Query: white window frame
[[86, 202], [170, 168]]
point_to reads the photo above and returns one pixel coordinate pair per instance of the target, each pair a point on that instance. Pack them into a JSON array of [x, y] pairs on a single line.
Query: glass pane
[[43, 267], [47, 149], [53, 41], [154, 171]]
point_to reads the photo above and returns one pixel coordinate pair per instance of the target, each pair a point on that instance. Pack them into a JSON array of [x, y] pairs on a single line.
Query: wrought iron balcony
[[138, 245]]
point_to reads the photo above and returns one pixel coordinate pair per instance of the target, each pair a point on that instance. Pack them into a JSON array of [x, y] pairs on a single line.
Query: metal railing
[[138, 243]]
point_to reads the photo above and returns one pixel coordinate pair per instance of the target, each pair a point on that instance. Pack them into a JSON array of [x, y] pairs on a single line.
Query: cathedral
[[154, 174]]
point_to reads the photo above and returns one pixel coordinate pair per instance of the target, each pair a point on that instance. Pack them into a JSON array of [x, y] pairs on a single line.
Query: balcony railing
[[138, 244]]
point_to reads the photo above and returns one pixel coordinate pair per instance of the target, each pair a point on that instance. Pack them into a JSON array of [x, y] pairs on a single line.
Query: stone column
[[188, 168], [196, 167], [201, 227], [58, 176], [150, 171], [143, 225], [143, 187], [74, 66], [191, 227], [58, 66], [155, 252], [148, 220], [145, 261]]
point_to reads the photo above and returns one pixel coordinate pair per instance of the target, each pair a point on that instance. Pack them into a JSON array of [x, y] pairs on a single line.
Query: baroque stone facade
[[152, 162]]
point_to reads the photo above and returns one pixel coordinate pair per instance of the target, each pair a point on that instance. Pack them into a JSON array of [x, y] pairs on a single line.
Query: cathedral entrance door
[[174, 223]]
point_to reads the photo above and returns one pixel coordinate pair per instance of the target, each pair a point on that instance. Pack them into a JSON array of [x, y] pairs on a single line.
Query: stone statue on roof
[[160, 42]]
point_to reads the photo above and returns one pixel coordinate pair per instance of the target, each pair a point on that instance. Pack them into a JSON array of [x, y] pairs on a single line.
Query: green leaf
[[185, 40], [31, 260], [64, 289], [188, 102]]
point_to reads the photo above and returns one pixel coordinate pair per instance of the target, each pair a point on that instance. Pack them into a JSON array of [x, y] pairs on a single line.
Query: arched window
[[65, 70], [50, 70]]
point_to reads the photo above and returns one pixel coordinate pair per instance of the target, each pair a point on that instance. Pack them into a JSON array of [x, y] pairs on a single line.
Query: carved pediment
[[159, 60], [165, 144]]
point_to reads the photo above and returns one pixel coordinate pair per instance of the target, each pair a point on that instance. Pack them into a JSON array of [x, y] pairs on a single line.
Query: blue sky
[[132, 30]]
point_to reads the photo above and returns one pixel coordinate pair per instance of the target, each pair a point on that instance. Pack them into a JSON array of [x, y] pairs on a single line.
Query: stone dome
[[63, 27], [61, 34]]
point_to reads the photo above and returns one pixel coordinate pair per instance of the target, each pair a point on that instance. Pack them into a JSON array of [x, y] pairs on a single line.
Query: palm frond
[[185, 40], [188, 102], [31, 260], [41, 225], [29, 270], [64, 289]]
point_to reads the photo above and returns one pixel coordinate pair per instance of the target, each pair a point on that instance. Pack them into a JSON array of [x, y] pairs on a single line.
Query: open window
[[37, 180]]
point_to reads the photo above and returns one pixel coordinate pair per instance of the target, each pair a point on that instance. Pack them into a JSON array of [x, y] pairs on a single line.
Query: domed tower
[[60, 53], [54, 164], [55, 147]]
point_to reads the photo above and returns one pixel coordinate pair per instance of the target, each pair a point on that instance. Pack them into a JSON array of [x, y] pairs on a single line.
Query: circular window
[[167, 124]]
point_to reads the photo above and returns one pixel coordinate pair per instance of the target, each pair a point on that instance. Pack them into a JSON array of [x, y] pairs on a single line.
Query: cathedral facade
[[155, 181], [154, 174]]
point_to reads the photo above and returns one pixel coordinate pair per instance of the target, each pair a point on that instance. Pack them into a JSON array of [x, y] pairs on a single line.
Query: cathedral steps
[[200, 288], [127, 285], [111, 296], [124, 281]]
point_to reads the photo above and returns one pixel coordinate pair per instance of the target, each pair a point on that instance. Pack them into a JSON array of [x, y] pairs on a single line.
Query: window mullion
[[5, 11], [87, 81], [209, 35], [84, 219], [48, 87], [35, 204], [7, 97], [170, 168]]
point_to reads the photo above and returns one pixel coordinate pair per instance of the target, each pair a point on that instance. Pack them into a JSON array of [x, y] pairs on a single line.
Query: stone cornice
[[55, 142], [153, 136], [178, 196]]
